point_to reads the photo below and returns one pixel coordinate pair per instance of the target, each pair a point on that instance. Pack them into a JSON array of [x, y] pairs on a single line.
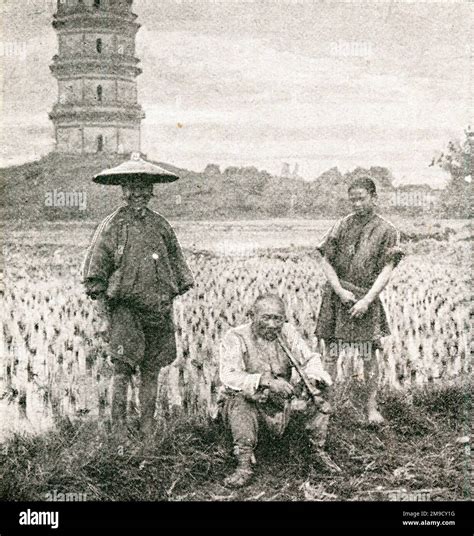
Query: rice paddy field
[[55, 368]]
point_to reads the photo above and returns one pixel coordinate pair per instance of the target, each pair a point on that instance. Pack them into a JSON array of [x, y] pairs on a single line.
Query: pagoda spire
[[96, 69]]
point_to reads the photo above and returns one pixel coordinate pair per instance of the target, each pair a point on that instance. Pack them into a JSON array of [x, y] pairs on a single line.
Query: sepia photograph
[[236, 262]]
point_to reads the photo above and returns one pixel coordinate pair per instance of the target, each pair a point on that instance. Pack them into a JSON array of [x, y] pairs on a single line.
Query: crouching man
[[259, 385]]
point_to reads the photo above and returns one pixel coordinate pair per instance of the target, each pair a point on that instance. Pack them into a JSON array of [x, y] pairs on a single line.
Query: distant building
[[294, 173], [96, 69], [285, 170], [286, 173]]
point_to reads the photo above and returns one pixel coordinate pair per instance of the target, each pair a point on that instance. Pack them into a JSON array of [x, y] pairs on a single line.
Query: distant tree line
[[232, 193]]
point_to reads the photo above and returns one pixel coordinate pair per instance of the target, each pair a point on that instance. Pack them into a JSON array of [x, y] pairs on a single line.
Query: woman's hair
[[365, 183]]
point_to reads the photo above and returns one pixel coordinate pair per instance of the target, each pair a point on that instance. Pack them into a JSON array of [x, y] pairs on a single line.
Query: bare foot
[[374, 416]]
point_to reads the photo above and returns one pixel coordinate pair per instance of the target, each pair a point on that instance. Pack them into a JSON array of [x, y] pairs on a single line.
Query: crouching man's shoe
[[244, 472]]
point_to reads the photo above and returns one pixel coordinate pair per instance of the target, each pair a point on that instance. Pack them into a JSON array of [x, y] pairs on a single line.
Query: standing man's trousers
[[150, 346]]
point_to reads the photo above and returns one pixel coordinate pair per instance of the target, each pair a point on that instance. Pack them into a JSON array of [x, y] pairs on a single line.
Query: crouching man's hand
[[315, 372], [278, 386], [323, 377]]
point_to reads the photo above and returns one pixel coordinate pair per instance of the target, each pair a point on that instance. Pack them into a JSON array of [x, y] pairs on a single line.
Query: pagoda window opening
[[98, 46], [100, 93], [100, 143]]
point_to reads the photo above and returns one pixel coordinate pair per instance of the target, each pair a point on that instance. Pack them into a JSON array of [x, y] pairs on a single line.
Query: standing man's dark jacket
[[136, 257], [136, 263]]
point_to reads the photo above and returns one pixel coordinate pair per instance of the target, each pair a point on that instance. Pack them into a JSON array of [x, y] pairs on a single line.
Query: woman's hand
[[359, 308], [346, 296]]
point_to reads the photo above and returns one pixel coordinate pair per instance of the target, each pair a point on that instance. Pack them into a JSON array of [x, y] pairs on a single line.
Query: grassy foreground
[[421, 452]]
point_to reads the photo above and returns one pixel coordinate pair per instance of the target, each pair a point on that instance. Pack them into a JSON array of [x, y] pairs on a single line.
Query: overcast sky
[[320, 83]]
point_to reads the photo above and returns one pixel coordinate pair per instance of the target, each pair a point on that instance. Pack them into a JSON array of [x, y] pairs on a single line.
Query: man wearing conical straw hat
[[134, 268]]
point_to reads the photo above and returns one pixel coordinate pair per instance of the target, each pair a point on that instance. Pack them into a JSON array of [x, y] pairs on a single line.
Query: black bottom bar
[[22, 518]]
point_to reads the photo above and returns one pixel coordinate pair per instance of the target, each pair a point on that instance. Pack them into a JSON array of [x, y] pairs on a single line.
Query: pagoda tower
[[96, 69]]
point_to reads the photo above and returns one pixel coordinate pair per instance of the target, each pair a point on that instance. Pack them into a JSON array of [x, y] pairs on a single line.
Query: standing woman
[[359, 254]]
